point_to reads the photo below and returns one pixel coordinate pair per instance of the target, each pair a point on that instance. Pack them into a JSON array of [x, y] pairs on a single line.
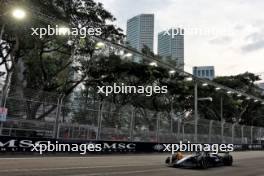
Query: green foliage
[[235, 109], [112, 69], [49, 63]]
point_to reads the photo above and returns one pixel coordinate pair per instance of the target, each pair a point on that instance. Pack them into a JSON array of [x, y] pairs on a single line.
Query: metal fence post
[[158, 127], [210, 130], [171, 121], [179, 129], [242, 134], [251, 134], [183, 135], [260, 134], [58, 133], [222, 131], [132, 122], [233, 132], [73, 132], [56, 126], [99, 120], [1, 127]]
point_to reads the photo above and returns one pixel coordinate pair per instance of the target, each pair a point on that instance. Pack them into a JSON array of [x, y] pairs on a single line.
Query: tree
[[112, 69], [234, 108], [48, 63]]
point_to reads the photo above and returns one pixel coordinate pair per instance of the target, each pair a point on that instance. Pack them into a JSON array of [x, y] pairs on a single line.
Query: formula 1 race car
[[201, 160]]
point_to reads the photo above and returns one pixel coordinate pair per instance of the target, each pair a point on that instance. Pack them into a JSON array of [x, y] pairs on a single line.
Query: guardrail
[[18, 145]]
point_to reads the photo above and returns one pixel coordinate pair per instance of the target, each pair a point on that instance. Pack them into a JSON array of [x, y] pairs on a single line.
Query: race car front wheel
[[167, 161]]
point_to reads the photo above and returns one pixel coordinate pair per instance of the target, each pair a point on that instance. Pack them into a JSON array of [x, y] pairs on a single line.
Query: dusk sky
[[235, 43]]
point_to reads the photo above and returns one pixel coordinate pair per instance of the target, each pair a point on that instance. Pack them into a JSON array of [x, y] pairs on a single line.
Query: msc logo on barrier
[[119, 146], [24, 145], [15, 145], [158, 147]]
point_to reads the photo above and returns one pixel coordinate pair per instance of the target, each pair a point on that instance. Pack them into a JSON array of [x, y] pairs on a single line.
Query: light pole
[[222, 119], [196, 99], [17, 14], [195, 111]]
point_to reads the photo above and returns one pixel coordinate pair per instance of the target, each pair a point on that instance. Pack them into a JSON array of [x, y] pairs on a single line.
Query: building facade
[[206, 72], [171, 46], [261, 86], [140, 32]]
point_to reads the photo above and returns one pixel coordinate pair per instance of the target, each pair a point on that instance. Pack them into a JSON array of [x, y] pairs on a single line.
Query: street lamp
[[128, 54], [172, 72], [99, 45], [189, 79], [19, 13], [218, 88], [154, 64], [229, 92], [205, 99]]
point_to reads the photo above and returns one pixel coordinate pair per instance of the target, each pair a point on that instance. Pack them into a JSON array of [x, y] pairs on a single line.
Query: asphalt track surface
[[245, 164]]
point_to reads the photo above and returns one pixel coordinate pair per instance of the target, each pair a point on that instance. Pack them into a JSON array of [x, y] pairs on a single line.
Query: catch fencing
[[42, 114]]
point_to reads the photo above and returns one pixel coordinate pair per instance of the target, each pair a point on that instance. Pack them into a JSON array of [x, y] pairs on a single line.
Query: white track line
[[121, 172], [73, 157], [73, 168]]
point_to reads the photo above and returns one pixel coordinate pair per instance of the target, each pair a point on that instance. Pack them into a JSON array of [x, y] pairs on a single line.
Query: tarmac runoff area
[[245, 164]]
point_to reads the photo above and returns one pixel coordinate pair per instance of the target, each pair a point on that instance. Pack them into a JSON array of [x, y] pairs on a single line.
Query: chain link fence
[[41, 114]]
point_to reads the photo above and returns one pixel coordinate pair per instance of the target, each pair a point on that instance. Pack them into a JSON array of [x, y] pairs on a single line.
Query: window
[[203, 73], [207, 73], [211, 72]]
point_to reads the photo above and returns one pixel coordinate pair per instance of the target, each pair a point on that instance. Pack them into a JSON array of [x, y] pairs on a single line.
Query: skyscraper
[[140, 31], [171, 46]]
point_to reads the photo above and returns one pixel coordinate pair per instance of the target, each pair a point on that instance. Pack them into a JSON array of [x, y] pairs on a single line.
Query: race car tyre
[[203, 163], [167, 161], [173, 158], [228, 160]]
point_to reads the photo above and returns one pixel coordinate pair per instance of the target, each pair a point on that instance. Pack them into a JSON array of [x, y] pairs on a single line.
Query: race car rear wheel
[[228, 160]]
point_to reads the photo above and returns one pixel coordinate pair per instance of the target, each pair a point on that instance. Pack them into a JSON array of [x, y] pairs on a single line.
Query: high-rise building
[[171, 46], [206, 72], [261, 86], [140, 31]]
